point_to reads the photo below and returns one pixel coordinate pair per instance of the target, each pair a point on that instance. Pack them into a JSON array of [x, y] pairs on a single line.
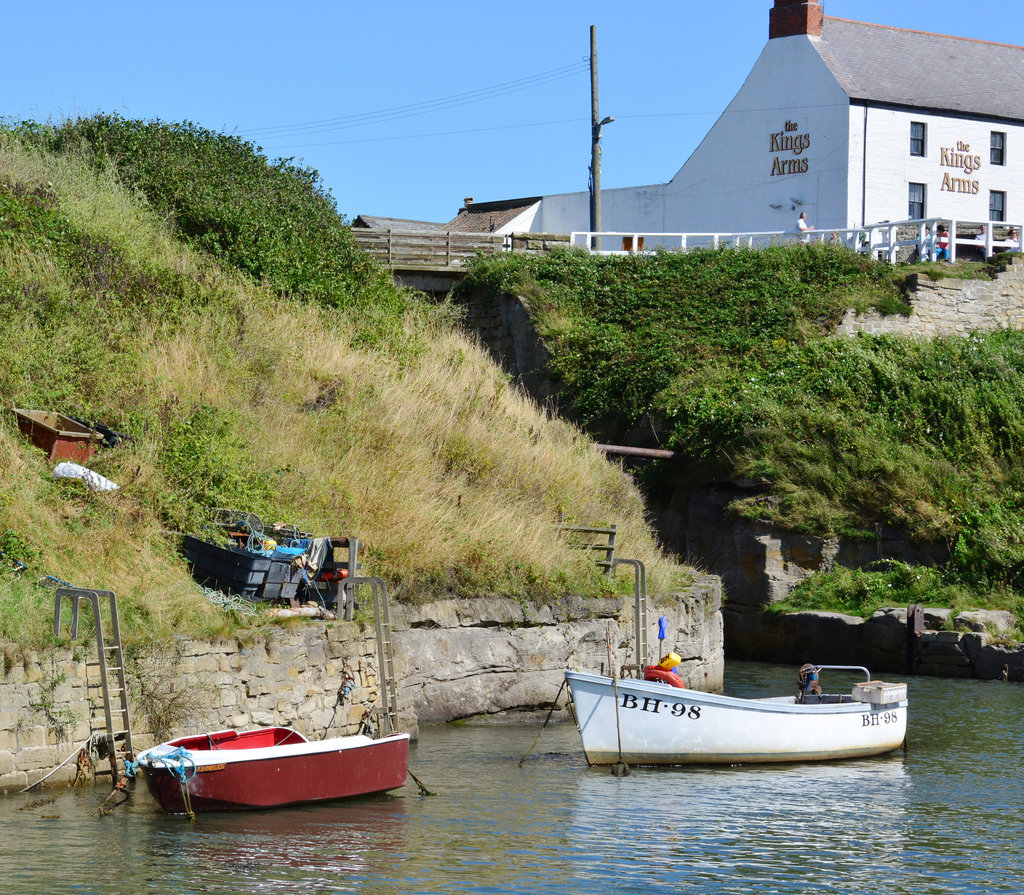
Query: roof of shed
[[928, 71], [375, 222], [485, 217]]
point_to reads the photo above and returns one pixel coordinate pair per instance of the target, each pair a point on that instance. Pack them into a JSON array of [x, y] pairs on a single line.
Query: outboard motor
[[807, 681]]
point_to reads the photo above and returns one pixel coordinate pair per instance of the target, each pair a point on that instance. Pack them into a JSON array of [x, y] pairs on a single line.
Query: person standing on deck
[[804, 227]]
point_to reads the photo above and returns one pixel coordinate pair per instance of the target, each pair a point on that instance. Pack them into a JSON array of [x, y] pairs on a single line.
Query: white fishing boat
[[660, 722]]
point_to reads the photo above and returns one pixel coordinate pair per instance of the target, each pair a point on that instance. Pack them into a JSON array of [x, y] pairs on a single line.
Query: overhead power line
[[474, 130], [365, 119]]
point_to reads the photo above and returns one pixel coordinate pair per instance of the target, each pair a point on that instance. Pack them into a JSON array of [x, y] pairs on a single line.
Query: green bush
[[625, 328], [273, 220], [861, 593], [208, 463]]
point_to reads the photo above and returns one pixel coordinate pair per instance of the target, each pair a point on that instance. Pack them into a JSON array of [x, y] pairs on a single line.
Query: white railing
[[883, 240]]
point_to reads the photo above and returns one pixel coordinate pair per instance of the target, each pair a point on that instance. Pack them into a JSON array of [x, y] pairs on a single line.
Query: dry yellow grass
[[453, 479]]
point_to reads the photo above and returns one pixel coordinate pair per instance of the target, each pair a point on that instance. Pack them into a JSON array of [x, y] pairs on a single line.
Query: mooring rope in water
[[78, 749], [423, 790], [131, 768], [554, 705], [182, 766], [83, 767]]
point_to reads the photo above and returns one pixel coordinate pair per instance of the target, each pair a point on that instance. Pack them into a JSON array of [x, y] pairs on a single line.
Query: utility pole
[[596, 123], [595, 139]]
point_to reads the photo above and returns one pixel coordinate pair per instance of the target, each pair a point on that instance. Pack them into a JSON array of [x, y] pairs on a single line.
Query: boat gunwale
[[768, 705], [152, 760]]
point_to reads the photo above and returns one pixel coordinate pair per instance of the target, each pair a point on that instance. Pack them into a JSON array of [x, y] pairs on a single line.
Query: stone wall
[[504, 327], [538, 243], [461, 659], [967, 644], [296, 676], [950, 307], [453, 659]]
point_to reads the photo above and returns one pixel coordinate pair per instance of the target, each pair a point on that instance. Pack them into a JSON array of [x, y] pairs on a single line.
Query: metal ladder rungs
[[385, 657], [115, 666]]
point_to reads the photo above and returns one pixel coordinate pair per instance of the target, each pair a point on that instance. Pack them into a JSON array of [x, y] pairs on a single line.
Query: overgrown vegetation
[[165, 698], [728, 352], [250, 374], [624, 329], [862, 592]]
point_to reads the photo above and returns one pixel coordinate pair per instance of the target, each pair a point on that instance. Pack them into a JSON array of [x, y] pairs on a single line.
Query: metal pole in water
[[620, 768]]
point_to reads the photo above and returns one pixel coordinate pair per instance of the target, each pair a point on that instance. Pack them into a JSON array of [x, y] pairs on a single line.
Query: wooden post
[[915, 625]]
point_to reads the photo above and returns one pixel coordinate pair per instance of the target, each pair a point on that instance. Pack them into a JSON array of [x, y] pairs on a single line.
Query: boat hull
[[661, 725], [247, 779]]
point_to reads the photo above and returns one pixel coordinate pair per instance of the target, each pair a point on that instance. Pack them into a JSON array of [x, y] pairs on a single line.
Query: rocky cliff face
[[759, 563], [465, 658]]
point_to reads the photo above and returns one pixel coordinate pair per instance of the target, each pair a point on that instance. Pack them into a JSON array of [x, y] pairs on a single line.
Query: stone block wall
[[453, 659], [319, 678], [504, 327], [538, 243], [466, 658], [951, 307], [969, 644]]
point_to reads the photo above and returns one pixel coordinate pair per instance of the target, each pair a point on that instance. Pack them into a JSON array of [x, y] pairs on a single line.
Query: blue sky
[[406, 107]]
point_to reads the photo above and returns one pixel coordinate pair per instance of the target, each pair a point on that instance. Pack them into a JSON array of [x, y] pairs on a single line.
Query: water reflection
[[283, 850], [738, 826]]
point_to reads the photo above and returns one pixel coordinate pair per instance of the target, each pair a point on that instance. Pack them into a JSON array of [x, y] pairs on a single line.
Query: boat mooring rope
[[78, 749], [554, 705], [423, 790], [183, 767]]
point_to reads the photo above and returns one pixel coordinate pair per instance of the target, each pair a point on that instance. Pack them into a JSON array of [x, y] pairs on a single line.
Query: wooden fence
[[428, 249]]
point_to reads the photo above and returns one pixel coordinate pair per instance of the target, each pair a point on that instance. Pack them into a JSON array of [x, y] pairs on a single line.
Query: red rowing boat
[[268, 767]]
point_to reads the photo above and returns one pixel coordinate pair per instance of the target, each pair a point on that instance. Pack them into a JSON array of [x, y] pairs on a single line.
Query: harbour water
[[945, 815]]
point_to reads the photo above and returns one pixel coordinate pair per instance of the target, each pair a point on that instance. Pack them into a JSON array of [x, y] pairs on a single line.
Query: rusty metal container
[[60, 436]]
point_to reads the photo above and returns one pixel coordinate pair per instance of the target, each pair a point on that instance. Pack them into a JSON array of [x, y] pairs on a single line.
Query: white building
[[850, 122]]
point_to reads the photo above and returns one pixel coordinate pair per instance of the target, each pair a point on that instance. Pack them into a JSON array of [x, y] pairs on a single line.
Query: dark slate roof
[[897, 66], [486, 217], [373, 222]]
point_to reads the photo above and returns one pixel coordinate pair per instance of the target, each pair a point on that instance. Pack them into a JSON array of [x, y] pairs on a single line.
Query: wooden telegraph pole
[[596, 123], [595, 139]]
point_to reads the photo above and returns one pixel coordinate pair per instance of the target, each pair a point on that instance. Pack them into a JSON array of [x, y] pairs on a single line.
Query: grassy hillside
[[728, 352], [257, 361]]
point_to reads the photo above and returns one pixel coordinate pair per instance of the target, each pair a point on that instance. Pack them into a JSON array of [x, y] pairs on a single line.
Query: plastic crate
[[229, 569]]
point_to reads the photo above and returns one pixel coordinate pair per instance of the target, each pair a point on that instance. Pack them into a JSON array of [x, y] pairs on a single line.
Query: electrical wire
[[475, 130], [381, 116]]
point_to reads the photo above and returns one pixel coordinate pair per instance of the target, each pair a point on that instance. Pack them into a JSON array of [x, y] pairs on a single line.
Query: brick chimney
[[789, 17]]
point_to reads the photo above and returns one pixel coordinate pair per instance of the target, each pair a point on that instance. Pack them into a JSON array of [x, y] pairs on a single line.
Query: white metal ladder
[[116, 716], [385, 651]]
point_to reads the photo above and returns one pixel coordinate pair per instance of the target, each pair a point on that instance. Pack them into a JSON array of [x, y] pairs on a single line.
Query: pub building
[[850, 122]]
